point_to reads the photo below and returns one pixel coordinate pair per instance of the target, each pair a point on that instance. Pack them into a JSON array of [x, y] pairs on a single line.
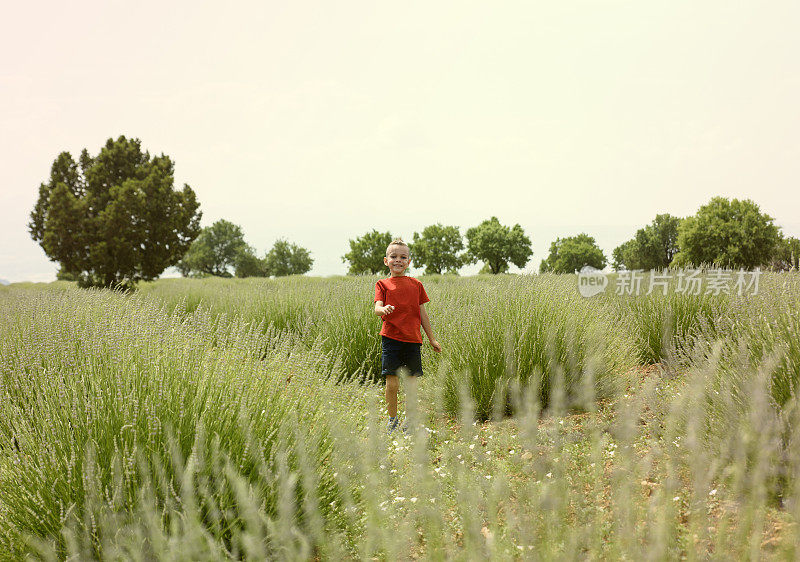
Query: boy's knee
[[392, 381]]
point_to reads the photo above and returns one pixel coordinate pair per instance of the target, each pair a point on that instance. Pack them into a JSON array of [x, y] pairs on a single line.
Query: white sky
[[320, 121]]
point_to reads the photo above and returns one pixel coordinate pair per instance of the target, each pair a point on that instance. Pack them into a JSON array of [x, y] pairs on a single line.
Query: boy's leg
[[390, 361], [392, 384]]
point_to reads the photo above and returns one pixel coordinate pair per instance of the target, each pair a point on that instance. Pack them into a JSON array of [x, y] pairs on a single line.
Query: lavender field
[[244, 419]]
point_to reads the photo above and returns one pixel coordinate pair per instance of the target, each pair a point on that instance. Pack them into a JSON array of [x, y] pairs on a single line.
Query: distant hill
[[4, 282]]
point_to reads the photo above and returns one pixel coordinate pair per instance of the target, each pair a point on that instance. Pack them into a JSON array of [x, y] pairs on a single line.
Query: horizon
[[318, 123]]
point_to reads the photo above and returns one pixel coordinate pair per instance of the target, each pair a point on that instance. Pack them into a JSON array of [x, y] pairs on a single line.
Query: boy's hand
[[388, 309], [437, 347]]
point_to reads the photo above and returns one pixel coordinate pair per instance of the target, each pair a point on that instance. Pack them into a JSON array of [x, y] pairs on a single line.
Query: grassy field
[[244, 419]]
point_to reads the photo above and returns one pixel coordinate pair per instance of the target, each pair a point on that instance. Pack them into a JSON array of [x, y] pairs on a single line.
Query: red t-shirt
[[405, 294]]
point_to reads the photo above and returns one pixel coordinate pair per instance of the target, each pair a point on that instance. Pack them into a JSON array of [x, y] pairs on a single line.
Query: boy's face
[[397, 260]]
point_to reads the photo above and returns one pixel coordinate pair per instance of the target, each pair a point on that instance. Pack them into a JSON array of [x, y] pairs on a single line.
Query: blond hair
[[397, 242]]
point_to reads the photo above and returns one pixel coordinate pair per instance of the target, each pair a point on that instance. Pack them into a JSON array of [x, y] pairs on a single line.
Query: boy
[[400, 301]]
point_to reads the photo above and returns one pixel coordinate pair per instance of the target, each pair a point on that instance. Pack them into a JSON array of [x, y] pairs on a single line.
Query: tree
[[288, 259], [626, 255], [62, 275], [367, 252], [437, 248], [570, 254], [115, 219], [787, 255], [653, 247], [496, 245], [247, 264], [215, 251], [728, 233]]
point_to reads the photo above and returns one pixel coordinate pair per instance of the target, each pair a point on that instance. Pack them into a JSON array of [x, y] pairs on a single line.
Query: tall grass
[[135, 429], [107, 395], [528, 331], [333, 317], [761, 330], [667, 326]]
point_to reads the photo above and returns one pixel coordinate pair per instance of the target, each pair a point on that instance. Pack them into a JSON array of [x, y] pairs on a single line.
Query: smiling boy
[[400, 302]]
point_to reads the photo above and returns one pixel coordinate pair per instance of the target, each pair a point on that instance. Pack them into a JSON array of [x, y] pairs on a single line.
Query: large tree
[[438, 248], [114, 219], [653, 247], [216, 250], [367, 252], [571, 254], [288, 259], [728, 233], [496, 245]]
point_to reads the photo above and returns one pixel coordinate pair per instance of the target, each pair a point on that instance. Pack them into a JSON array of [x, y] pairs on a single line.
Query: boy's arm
[[381, 310], [426, 325]]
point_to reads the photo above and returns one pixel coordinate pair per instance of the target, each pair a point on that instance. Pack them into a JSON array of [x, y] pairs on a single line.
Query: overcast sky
[[317, 122]]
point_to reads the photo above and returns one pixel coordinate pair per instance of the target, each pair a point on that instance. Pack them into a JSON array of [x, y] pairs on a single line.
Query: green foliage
[[247, 264], [664, 326], [653, 247], [115, 219], [367, 252], [346, 336], [62, 275], [287, 259], [787, 255], [570, 254], [438, 249], [349, 335], [625, 254], [496, 245], [487, 269], [761, 336], [536, 333], [215, 251], [128, 409], [728, 233]]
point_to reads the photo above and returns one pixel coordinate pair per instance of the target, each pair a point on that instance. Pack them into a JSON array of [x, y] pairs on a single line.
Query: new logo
[[591, 281]]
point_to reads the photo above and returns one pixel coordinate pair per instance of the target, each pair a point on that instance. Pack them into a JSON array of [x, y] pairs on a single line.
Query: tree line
[[729, 233], [441, 249], [116, 218]]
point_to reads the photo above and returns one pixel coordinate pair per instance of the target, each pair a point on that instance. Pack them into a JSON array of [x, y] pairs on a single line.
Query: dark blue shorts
[[396, 354]]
